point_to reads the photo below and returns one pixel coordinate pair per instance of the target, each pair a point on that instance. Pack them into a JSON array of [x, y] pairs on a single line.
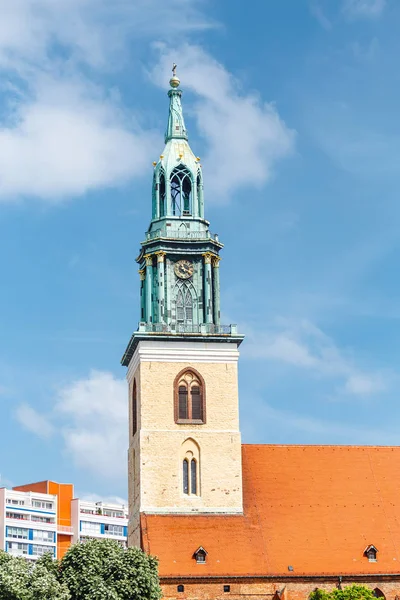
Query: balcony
[[65, 530], [178, 234], [203, 329]]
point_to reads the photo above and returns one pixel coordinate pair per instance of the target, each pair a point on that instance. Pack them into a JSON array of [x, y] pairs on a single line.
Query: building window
[[108, 512], [17, 548], [181, 191], [42, 504], [134, 408], [193, 476], [199, 193], [180, 588], [90, 528], [17, 533], [189, 394], [40, 550], [18, 516], [190, 457], [184, 307], [43, 536], [200, 555], [370, 552], [162, 194], [114, 529], [227, 588], [15, 502], [183, 402], [186, 476], [40, 519]]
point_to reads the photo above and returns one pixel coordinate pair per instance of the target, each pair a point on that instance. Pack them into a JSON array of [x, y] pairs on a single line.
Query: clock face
[[183, 269]]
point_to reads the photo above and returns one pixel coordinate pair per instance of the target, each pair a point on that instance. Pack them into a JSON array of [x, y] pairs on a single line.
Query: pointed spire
[[176, 125]]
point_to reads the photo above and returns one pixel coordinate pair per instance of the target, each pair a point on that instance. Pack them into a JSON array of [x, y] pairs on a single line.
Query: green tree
[[349, 592], [103, 570], [23, 580]]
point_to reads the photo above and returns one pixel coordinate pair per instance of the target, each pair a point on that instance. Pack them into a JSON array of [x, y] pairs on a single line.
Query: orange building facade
[[64, 493]]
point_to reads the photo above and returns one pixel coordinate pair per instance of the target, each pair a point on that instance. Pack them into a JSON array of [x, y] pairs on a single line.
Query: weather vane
[[174, 69]]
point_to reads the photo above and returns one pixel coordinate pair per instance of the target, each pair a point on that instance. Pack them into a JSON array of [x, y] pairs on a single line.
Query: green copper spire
[[179, 257], [176, 124]]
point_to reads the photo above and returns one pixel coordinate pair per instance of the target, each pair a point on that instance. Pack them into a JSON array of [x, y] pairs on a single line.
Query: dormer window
[[370, 552], [200, 555]]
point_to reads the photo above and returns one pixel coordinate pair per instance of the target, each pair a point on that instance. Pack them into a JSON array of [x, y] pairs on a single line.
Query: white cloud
[[303, 345], [91, 31], [60, 135], [364, 8], [245, 135], [95, 430], [92, 416], [34, 422], [66, 142]]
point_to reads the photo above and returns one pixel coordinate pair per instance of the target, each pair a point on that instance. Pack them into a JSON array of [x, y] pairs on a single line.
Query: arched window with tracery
[[134, 408], [190, 457], [189, 397], [184, 306], [181, 191]]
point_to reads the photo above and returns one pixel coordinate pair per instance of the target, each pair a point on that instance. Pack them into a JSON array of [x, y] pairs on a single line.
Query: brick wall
[[270, 589]]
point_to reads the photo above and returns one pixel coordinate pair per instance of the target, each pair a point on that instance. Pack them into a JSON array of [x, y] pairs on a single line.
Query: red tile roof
[[315, 508]]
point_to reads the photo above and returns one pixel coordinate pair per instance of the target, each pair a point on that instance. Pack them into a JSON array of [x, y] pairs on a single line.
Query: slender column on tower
[[160, 285], [149, 286], [142, 273], [208, 305], [217, 311]]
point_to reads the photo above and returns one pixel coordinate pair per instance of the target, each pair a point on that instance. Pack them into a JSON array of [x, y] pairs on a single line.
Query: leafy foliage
[[103, 570], [22, 580], [96, 570], [349, 592]]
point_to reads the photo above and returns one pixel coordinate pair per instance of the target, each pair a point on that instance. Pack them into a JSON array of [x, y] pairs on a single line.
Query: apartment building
[[99, 520], [28, 524], [45, 517]]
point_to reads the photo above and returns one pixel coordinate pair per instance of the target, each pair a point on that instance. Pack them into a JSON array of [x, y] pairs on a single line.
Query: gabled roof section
[[328, 501]]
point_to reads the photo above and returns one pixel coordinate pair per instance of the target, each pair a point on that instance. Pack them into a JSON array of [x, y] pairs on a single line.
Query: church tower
[[184, 438]]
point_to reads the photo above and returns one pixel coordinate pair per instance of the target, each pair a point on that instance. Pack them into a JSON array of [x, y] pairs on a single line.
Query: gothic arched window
[[181, 191], [184, 306], [189, 397], [161, 190], [190, 465], [134, 408]]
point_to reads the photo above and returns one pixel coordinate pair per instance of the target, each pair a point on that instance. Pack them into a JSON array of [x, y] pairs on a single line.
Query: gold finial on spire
[[174, 81]]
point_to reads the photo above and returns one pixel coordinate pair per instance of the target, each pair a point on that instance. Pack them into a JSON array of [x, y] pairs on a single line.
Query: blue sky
[[293, 108]]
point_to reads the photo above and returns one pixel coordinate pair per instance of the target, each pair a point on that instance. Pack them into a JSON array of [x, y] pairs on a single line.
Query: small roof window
[[370, 552], [200, 555]]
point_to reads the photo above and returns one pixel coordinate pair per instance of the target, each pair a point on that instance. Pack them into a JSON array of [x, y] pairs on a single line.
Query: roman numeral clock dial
[[183, 269]]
